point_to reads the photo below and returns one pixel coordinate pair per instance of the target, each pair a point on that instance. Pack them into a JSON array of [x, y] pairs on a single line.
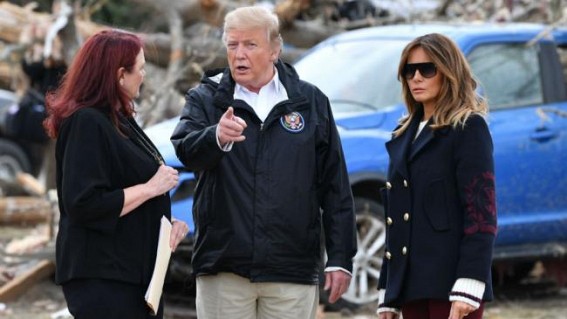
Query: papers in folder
[[155, 288]]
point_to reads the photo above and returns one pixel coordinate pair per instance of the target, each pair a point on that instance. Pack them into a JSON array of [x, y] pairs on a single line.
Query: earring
[[121, 82]]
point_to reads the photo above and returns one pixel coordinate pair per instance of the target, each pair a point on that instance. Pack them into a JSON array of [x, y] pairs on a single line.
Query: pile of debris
[[178, 58], [28, 227]]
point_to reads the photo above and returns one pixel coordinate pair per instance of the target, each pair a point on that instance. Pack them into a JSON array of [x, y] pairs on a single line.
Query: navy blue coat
[[440, 211]]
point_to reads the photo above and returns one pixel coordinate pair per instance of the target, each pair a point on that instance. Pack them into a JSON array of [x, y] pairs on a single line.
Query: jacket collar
[[422, 140], [222, 80], [425, 137], [400, 147], [403, 149], [223, 85]]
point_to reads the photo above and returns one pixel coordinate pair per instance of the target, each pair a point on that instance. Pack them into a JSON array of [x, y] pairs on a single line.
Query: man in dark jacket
[[270, 167]]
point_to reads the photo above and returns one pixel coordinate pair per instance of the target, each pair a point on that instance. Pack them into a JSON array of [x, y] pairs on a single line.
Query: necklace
[[144, 142]]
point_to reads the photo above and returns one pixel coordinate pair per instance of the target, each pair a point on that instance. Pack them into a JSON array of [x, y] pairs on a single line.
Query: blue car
[[522, 72]]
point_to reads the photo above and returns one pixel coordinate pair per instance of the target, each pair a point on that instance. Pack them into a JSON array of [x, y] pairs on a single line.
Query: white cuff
[[329, 269], [381, 294], [386, 309], [468, 290], [225, 148]]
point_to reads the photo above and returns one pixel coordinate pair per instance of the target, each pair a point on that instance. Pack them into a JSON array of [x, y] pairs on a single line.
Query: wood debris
[[17, 286], [24, 210]]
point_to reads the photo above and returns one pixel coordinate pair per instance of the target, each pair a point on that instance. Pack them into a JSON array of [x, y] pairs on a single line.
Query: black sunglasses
[[427, 70]]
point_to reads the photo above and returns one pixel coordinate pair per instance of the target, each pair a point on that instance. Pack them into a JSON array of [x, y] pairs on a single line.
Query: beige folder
[[155, 288]]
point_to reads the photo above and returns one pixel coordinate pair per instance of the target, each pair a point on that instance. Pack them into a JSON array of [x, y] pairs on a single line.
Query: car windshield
[[357, 76], [6, 98]]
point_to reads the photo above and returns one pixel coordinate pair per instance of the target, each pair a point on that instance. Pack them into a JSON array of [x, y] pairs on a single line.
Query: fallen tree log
[[210, 12], [13, 18], [24, 210], [30, 184]]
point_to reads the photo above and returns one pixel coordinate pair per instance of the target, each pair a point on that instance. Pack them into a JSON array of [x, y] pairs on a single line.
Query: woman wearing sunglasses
[[440, 196]]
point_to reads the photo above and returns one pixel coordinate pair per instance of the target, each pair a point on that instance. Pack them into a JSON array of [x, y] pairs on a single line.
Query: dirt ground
[[44, 300]]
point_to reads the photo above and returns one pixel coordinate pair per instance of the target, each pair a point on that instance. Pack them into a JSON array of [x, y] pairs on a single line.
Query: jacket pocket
[[435, 205]]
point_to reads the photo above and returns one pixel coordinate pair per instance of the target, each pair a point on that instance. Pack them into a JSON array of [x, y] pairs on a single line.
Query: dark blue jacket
[[258, 209], [440, 211]]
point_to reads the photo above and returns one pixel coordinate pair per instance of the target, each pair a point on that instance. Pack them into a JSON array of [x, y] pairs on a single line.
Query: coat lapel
[[423, 139], [396, 149], [399, 148]]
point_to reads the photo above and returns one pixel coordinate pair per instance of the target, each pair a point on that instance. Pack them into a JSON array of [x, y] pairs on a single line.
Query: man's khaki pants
[[228, 296]]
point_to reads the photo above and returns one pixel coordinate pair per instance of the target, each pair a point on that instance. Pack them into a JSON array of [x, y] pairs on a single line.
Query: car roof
[[513, 31]]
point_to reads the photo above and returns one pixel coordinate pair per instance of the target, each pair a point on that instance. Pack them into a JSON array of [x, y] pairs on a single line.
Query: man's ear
[[275, 54]]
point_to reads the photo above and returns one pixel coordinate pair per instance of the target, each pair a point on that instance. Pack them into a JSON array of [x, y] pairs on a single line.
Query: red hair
[[92, 79]]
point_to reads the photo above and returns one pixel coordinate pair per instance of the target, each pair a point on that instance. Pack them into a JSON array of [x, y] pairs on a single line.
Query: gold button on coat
[[388, 185], [388, 255], [406, 217], [405, 183], [389, 221], [404, 250]]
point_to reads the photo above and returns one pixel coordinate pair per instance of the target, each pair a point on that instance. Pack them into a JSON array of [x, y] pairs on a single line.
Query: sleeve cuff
[[381, 307], [381, 294], [225, 148], [468, 290], [329, 269]]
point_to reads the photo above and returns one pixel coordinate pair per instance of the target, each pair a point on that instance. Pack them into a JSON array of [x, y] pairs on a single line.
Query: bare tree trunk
[[193, 11], [442, 11], [162, 98]]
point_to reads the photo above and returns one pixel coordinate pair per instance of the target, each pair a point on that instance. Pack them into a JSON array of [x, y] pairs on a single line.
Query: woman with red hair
[[112, 183]]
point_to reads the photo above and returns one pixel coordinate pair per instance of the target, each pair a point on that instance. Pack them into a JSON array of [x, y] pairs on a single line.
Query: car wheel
[[371, 239], [13, 160]]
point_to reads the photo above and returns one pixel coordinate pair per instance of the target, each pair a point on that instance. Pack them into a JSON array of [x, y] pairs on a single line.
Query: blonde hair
[[254, 17], [457, 98]]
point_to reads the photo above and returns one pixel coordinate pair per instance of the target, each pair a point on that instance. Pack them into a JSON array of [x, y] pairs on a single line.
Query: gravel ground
[[44, 300]]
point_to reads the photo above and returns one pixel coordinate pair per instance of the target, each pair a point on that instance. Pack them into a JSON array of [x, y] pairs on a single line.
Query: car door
[[530, 139]]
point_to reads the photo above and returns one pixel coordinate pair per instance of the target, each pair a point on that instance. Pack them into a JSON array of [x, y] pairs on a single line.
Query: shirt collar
[[275, 85]]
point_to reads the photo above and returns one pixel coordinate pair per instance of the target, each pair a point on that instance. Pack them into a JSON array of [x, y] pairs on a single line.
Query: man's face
[[250, 57]]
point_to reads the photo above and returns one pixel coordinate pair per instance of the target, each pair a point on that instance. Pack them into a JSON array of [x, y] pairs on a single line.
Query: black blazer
[[94, 164], [440, 211]]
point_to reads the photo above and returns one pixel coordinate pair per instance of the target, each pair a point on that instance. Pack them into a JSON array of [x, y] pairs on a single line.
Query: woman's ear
[[120, 76]]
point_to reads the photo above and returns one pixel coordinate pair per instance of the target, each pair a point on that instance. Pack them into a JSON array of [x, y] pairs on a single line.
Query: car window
[[355, 75], [508, 74], [5, 102], [6, 99]]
